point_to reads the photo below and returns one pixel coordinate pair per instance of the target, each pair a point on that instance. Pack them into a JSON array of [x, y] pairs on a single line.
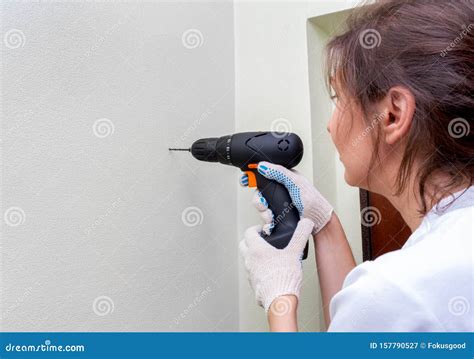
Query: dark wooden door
[[383, 228]]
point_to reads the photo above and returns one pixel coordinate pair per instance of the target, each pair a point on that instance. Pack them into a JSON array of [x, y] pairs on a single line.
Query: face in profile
[[353, 139]]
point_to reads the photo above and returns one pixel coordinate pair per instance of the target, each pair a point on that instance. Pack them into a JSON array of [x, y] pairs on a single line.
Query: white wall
[[100, 213], [273, 92]]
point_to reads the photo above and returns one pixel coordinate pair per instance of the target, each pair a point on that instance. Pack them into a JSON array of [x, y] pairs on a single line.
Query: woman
[[402, 77]]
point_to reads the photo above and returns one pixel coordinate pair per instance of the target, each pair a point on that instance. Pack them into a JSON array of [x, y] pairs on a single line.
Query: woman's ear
[[399, 108]]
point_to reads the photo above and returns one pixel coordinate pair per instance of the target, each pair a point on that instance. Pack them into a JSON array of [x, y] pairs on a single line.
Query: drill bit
[[180, 149]]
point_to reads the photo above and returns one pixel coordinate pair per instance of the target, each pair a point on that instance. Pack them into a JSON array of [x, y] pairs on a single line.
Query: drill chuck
[[212, 149]]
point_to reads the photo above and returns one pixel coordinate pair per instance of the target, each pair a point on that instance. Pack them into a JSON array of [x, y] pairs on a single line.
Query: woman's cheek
[[356, 158], [354, 148], [333, 128], [355, 153]]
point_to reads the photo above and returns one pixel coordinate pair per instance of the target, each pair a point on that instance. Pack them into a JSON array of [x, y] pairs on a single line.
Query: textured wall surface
[[103, 229]]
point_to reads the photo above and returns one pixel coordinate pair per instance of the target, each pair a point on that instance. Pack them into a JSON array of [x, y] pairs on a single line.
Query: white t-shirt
[[428, 285]]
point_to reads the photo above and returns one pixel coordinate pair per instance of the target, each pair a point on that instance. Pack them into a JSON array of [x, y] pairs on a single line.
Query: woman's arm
[[282, 314], [334, 260]]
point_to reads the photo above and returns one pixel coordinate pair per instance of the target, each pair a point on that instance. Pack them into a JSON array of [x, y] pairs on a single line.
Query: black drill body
[[245, 150]]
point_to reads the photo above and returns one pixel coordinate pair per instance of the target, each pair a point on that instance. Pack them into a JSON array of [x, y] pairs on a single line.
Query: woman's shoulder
[[371, 301], [405, 292], [435, 255], [452, 218], [426, 285], [432, 277]]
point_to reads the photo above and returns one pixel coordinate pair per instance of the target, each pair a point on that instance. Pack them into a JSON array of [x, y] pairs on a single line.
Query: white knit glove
[[274, 272], [307, 199]]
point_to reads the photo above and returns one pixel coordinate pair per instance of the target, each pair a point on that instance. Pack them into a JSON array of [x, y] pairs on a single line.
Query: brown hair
[[427, 47]]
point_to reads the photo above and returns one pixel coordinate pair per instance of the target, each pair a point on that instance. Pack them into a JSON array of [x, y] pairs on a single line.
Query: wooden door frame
[[365, 231]]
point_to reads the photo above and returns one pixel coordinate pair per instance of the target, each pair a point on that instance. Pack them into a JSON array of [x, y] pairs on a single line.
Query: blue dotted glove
[[307, 199]]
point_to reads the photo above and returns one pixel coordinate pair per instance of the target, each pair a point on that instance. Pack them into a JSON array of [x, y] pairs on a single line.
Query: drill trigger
[[251, 175]]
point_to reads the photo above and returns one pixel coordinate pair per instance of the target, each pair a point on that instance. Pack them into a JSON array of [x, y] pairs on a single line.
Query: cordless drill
[[244, 150]]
